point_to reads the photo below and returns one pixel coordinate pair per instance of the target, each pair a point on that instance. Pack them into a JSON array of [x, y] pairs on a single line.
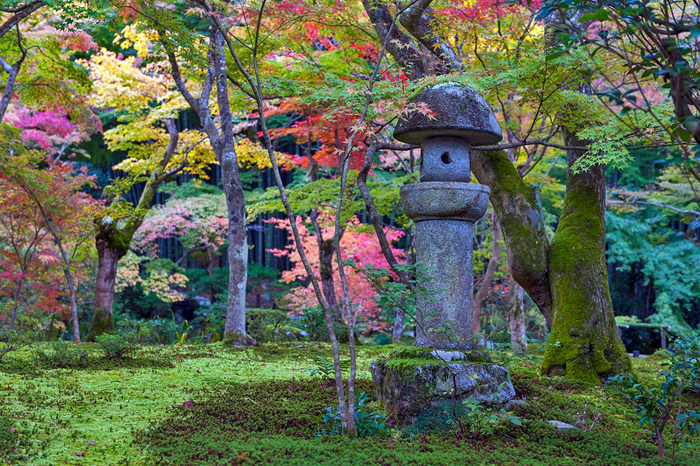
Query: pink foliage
[[488, 11], [75, 40], [358, 244], [184, 220], [78, 41], [48, 129]]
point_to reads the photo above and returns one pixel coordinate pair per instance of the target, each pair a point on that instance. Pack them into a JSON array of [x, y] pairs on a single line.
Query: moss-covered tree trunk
[[107, 260], [568, 283], [584, 344], [520, 215]]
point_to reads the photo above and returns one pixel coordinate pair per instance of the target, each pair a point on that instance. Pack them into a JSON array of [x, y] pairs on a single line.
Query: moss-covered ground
[[214, 404]]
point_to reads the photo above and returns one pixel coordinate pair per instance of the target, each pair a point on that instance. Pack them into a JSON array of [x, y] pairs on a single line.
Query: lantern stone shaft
[[444, 206]]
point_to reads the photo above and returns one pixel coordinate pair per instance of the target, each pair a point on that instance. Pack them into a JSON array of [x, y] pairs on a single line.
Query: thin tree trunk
[[516, 318], [73, 304], [13, 70], [12, 73], [397, 331], [326, 250], [65, 258], [485, 286], [50, 329], [13, 313]]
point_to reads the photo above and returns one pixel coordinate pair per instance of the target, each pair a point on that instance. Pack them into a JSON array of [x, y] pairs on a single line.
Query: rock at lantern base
[[412, 381]]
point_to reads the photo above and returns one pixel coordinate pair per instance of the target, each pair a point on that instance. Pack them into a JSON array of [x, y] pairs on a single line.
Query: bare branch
[[655, 204]]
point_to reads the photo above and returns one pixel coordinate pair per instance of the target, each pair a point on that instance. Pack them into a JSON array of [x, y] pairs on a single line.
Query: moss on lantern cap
[[455, 111]]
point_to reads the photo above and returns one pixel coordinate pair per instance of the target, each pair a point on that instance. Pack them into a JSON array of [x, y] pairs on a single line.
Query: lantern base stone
[[410, 386]]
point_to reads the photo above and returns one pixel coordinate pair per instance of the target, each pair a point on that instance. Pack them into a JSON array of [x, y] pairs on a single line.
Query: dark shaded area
[[275, 422], [644, 340]]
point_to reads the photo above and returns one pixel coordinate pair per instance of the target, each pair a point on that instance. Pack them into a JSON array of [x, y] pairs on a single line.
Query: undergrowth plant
[[324, 369], [14, 340], [119, 345], [484, 420], [368, 422], [660, 406], [63, 354]]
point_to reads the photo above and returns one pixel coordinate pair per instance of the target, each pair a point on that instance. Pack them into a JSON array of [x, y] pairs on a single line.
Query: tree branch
[[372, 208], [20, 14], [417, 19], [655, 204]]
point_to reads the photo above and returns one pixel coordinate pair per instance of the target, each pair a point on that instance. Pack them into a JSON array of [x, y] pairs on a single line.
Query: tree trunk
[[113, 242], [584, 344], [235, 329], [397, 331], [13, 313], [107, 260], [516, 318], [570, 278], [73, 304], [520, 216], [488, 275], [326, 250]]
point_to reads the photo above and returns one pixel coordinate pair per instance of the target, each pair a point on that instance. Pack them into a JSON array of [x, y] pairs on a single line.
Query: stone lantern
[[444, 206]]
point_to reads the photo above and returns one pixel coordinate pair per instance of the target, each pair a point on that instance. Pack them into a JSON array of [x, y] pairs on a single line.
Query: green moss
[[102, 322], [405, 359], [238, 340], [218, 405]]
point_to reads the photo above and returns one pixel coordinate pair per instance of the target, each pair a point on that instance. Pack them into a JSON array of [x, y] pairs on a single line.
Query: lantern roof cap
[[456, 110]]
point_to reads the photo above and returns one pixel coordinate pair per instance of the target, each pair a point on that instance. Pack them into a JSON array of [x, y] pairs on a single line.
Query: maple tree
[[46, 218]]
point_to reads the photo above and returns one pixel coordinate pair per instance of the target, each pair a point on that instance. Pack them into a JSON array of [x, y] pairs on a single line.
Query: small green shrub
[[484, 420], [156, 331], [63, 354], [12, 341], [324, 369], [661, 406], [660, 355], [270, 325], [119, 345], [685, 359], [313, 323], [368, 423]]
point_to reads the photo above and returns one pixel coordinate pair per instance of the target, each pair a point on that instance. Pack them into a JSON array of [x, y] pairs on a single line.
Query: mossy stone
[[412, 381]]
